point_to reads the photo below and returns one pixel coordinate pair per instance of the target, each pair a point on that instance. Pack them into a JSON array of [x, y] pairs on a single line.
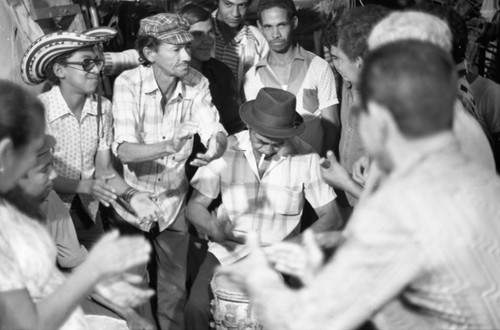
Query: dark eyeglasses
[[89, 64]]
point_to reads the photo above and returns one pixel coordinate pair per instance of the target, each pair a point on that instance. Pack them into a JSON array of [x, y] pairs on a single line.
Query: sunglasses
[[88, 64]]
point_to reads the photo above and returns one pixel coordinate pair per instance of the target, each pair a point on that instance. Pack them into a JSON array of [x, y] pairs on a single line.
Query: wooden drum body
[[231, 307]]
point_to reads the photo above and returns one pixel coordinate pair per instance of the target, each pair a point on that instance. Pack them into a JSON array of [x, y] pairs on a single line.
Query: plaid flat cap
[[170, 28]]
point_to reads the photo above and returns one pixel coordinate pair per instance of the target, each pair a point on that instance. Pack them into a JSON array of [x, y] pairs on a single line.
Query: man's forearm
[[138, 152]]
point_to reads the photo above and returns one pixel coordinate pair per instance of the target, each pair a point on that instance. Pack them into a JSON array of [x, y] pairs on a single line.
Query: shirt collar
[[298, 54], [150, 85], [62, 110]]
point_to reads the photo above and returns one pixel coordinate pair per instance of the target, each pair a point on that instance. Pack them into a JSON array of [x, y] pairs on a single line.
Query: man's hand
[[221, 229], [360, 170], [252, 270], [121, 291], [216, 148], [100, 189], [146, 210], [302, 261], [183, 133]]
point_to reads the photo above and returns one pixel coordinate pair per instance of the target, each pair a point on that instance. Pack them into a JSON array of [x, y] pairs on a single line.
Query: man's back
[[444, 218]]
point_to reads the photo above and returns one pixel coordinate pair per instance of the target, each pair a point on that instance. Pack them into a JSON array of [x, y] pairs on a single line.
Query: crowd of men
[[253, 175]]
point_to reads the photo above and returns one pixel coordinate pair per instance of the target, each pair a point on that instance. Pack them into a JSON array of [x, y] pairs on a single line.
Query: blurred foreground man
[[421, 250]]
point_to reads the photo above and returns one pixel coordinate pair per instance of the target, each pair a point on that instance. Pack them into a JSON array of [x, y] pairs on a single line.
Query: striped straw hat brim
[[42, 51]]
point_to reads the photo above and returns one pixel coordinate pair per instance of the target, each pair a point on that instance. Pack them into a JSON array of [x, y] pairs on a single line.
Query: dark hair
[[416, 81], [21, 114], [146, 41], [355, 26], [288, 5], [194, 13], [329, 33], [458, 29]]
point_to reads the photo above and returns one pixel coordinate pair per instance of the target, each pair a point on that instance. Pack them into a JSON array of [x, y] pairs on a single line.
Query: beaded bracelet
[[128, 194]]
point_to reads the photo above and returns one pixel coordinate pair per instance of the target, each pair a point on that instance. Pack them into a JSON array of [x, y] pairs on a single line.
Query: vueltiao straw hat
[[46, 48]]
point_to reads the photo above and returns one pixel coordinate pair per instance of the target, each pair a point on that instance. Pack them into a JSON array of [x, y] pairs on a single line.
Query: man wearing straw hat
[[264, 182], [157, 108]]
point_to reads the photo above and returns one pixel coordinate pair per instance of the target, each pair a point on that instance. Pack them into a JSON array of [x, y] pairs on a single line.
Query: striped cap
[[170, 28], [43, 50]]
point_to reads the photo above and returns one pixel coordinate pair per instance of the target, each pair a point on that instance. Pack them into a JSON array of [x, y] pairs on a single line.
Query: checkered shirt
[[139, 118], [77, 141], [271, 205]]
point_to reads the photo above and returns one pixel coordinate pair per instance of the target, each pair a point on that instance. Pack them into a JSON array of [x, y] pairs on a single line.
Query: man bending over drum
[[264, 181]]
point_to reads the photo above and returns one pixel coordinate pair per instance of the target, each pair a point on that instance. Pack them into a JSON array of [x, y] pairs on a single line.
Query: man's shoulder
[[134, 76], [195, 79]]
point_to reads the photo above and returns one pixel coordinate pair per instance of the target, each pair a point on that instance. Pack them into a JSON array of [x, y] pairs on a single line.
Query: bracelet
[[128, 194]]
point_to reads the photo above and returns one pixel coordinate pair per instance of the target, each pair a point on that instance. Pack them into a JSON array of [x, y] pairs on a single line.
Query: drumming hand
[[221, 230], [253, 270], [360, 170], [302, 261]]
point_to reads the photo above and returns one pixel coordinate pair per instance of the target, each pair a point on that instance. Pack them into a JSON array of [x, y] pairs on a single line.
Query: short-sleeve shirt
[[271, 205], [78, 141], [140, 118], [311, 81], [27, 260]]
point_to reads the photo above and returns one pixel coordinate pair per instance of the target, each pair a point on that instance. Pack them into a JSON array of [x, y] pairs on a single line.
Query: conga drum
[[230, 307]]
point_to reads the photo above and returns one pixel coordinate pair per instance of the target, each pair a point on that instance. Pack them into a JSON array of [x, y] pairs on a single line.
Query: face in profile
[[171, 60], [277, 28], [347, 68], [232, 12], [38, 182], [201, 46]]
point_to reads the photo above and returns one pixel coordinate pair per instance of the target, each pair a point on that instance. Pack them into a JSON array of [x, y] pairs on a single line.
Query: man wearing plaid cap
[[157, 108]]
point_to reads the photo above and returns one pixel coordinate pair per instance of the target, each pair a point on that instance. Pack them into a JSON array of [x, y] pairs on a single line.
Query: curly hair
[[287, 5], [146, 41], [355, 26]]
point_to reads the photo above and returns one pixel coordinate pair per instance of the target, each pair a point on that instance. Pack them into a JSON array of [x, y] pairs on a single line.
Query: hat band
[[276, 121]]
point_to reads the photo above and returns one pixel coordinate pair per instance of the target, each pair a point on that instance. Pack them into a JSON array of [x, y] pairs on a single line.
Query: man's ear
[[295, 22], [6, 153], [59, 71], [149, 54], [359, 63]]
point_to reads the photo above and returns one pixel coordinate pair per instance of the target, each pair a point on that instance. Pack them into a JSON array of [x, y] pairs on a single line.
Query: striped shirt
[[311, 81], [271, 205], [421, 252], [77, 140], [242, 52], [139, 118]]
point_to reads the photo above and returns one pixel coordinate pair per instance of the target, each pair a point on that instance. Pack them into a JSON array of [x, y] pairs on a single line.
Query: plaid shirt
[[77, 141], [421, 252], [271, 205], [139, 118]]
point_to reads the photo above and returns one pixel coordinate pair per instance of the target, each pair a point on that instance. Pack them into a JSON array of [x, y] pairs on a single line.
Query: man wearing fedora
[[157, 108], [263, 182]]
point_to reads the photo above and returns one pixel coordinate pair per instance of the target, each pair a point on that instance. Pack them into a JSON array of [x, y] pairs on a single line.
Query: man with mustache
[[290, 67], [157, 108]]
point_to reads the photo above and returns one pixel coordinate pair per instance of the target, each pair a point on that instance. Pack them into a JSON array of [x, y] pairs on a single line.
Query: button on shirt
[[271, 205], [140, 118], [77, 141]]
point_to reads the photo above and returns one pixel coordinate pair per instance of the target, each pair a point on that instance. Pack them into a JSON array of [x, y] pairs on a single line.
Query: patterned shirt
[[271, 205], [139, 118], [28, 261], [420, 253], [77, 141], [242, 52], [311, 81]]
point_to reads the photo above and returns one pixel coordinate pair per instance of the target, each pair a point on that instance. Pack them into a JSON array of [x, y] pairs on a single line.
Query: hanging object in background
[[489, 9]]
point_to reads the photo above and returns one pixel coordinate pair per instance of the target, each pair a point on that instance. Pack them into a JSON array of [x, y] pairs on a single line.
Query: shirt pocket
[[310, 100], [288, 201]]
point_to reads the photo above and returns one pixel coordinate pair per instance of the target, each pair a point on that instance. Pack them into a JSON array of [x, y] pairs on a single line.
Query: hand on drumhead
[[253, 269], [302, 261]]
